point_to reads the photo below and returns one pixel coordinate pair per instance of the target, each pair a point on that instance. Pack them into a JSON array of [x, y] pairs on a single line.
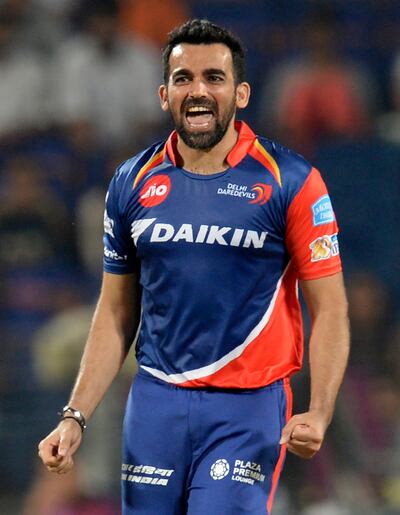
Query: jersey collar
[[246, 138]]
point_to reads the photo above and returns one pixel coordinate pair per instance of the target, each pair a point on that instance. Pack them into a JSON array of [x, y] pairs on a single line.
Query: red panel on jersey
[[311, 235], [280, 342]]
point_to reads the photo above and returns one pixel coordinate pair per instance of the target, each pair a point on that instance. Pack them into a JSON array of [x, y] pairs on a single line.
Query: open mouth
[[199, 117]]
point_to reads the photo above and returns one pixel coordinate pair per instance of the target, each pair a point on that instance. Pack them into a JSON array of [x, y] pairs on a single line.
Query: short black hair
[[203, 32]]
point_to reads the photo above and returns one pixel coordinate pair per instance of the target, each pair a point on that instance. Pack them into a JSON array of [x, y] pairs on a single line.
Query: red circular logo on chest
[[155, 191]]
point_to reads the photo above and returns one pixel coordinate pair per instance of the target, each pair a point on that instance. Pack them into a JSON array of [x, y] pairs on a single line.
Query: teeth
[[198, 110]]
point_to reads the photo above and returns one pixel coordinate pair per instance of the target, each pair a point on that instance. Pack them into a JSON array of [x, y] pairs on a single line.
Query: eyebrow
[[215, 71], [207, 71]]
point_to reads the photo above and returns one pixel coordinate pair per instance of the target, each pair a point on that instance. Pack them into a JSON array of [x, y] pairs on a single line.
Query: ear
[[162, 93], [242, 95]]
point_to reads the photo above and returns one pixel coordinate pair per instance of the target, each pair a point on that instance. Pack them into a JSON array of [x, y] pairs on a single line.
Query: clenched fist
[[57, 449], [304, 433]]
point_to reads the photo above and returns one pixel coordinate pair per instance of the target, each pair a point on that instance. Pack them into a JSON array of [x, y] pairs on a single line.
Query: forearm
[[329, 351], [104, 354], [113, 329]]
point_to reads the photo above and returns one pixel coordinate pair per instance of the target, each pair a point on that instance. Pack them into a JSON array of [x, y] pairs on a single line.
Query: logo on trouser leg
[[247, 472], [219, 469], [145, 474], [243, 471]]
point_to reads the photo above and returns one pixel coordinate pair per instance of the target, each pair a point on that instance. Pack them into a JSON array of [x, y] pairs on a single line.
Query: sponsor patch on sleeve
[[108, 225], [112, 254], [324, 247], [322, 211]]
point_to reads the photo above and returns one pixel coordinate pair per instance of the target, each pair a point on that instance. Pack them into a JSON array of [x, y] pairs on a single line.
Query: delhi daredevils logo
[[263, 193], [155, 191]]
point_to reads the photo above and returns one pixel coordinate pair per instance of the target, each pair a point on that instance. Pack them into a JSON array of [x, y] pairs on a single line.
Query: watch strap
[[70, 412]]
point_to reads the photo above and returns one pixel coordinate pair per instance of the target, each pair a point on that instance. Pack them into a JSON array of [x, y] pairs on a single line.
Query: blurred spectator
[[22, 81], [61, 7], [91, 487], [372, 426], [365, 435], [392, 356], [34, 229], [37, 256], [317, 96], [106, 84], [365, 190], [396, 82], [136, 21], [370, 317], [89, 217], [38, 26], [328, 507], [389, 122], [90, 229]]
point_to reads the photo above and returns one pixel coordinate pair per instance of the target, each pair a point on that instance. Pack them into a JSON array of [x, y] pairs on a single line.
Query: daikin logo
[[204, 234]]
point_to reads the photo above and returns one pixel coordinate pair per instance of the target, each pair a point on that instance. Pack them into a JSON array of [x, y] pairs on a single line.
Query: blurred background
[[78, 95]]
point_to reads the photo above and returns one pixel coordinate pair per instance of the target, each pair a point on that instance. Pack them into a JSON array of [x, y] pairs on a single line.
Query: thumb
[[286, 433], [64, 445]]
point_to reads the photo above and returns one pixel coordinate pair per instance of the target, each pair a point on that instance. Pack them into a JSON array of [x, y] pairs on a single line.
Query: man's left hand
[[304, 433]]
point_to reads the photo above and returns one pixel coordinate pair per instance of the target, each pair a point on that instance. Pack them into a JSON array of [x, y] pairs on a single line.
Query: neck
[[208, 161]]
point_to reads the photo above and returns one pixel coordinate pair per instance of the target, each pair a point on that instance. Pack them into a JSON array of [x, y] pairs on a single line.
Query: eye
[[180, 79], [215, 78]]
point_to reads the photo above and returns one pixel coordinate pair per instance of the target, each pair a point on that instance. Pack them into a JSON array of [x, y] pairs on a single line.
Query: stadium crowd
[[78, 95]]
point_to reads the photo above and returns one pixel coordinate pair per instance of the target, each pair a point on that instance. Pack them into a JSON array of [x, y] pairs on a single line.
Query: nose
[[198, 88]]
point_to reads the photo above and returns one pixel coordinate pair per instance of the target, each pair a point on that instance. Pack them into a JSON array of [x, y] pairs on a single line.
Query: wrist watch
[[75, 414]]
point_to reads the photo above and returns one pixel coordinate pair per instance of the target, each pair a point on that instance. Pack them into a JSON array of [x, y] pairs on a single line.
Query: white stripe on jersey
[[208, 370]]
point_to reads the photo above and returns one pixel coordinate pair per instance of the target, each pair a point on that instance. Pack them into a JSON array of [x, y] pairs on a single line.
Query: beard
[[207, 139]]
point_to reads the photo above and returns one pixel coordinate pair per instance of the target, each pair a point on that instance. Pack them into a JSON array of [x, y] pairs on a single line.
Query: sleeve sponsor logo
[[155, 191], [324, 247], [108, 224], [112, 254], [322, 211]]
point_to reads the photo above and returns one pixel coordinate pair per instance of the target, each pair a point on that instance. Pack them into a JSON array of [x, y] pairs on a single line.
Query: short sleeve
[[312, 231], [119, 252]]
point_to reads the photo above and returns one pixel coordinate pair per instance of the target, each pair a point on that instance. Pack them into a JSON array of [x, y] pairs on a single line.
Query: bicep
[[121, 297]]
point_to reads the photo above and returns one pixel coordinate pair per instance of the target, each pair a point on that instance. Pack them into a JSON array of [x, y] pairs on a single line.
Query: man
[[216, 225]]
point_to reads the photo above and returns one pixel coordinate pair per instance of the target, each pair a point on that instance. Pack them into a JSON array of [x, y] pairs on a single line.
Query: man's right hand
[[57, 449]]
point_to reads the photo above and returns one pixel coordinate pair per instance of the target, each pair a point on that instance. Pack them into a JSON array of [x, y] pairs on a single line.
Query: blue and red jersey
[[220, 257]]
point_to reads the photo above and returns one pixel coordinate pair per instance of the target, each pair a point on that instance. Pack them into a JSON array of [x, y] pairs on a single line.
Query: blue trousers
[[202, 451]]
